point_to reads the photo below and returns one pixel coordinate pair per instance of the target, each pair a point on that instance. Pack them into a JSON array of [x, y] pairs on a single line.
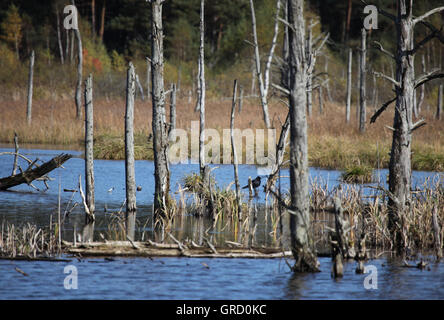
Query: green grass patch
[[357, 174]]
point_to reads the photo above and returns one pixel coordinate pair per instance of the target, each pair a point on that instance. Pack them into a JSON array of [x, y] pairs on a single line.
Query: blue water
[[232, 279], [183, 278]]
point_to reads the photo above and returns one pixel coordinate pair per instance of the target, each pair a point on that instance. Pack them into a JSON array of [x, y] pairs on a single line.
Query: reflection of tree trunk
[[301, 242], [88, 232]]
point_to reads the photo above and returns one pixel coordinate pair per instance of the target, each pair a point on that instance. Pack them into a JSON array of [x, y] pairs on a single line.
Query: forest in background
[[115, 32]]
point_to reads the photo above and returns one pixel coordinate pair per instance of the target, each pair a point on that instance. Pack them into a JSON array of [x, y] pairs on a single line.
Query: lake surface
[[231, 279], [182, 278]]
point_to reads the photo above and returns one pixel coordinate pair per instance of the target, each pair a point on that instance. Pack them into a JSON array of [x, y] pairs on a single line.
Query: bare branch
[[438, 34], [286, 23], [278, 87], [420, 44], [322, 44], [379, 46], [418, 125], [381, 110], [381, 75], [427, 14], [428, 77]]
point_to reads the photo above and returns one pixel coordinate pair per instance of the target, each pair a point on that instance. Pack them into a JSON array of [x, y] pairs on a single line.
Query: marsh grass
[[332, 143], [357, 174]]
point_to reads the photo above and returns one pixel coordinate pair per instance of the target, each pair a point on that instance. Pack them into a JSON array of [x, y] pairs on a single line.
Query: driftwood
[[30, 174], [152, 249]]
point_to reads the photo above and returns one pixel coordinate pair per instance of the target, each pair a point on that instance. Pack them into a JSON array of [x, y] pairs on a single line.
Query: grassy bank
[[332, 143]]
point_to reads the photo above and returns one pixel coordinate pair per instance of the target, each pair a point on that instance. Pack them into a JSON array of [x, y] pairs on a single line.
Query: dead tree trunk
[[172, 126], [309, 48], [241, 98], [102, 21], [233, 149], [321, 102], [129, 152], [439, 104], [264, 81], [362, 82], [349, 84], [59, 36], [148, 77], [160, 137], [89, 147], [78, 97], [301, 242], [405, 84], [30, 87], [202, 89], [129, 143]]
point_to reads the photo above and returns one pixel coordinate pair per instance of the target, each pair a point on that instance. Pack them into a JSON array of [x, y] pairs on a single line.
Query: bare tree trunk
[[321, 103], [93, 18], [349, 84], [102, 21], [202, 89], [89, 147], [78, 98], [129, 152], [59, 36], [30, 87], [309, 48], [241, 98], [439, 104], [362, 83], [160, 138], [233, 149], [422, 89], [129, 140], [148, 77], [301, 242], [400, 156], [172, 126], [263, 87], [139, 85]]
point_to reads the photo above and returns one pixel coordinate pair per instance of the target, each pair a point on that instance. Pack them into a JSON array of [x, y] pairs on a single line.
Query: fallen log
[[151, 249], [30, 174]]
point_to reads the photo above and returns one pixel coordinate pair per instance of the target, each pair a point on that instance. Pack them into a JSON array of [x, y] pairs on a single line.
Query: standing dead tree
[[30, 86], [349, 84], [201, 86], [301, 242], [264, 80], [129, 153], [89, 147], [439, 103], [78, 94], [233, 150], [362, 82], [403, 127], [160, 136]]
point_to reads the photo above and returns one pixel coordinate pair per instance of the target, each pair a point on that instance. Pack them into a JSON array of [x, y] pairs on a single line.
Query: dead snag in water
[[130, 184], [160, 137], [89, 141], [233, 150], [301, 237]]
